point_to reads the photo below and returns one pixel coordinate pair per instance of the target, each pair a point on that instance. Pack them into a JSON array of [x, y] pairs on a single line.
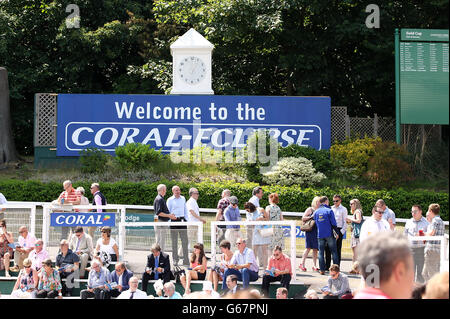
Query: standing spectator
[[282, 293], [27, 281], [133, 292], [98, 280], [193, 214], [437, 287], [274, 213], [340, 214], [158, 266], [161, 210], [374, 224], [197, 269], [260, 243], [433, 248], [417, 226], [106, 245], [81, 244], [26, 245], [49, 281], [67, 263], [232, 285], [280, 266], [243, 265], [177, 206], [386, 265], [257, 195], [121, 277], [311, 236], [83, 201], [340, 283], [99, 199], [357, 220], [169, 291], [69, 196], [223, 203], [232, 214], [6, 252], [3, 201], [388, 214], [38, 255], [324, 218], [217, 273]]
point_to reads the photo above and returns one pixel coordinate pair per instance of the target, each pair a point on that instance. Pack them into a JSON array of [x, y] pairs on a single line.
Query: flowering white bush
[[293, 170]]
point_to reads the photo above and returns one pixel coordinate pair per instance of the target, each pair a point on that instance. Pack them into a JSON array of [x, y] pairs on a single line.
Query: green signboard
[[423, 77]]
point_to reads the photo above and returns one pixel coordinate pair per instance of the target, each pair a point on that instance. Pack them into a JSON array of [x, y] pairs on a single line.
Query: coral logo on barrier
[[64, 219]]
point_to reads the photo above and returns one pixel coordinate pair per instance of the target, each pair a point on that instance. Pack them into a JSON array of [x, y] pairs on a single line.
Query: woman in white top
[[217, 273], [106, 244]]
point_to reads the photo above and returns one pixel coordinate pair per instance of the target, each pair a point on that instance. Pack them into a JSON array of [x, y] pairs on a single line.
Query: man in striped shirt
[[70, 196]]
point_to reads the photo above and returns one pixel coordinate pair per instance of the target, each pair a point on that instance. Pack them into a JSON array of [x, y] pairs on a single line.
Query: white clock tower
[[191, 64]]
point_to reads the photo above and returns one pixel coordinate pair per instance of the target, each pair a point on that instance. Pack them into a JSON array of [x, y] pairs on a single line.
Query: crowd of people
[[325, 225]]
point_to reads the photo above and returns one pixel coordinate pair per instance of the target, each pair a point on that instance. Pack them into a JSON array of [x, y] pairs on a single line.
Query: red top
[[284, 263]]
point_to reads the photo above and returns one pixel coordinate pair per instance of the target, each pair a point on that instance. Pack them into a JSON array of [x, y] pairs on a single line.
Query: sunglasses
[[37, 245], [238, 243], [337, 200], [27, 267]]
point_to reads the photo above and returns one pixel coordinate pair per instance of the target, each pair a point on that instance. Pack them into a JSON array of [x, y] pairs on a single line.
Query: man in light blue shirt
[[177, 206], [257, 195], [169, 292], [388, 214], [97, 286], [242, 264]]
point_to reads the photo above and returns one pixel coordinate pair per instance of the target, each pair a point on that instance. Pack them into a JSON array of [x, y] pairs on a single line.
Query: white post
[[200, 232], [122, 233], [213, 243], [33, 220], [443, 248], [45, 224], [293, 249]]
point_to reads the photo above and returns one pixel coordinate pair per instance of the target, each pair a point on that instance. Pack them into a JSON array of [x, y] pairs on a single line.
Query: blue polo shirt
[[324, 218]]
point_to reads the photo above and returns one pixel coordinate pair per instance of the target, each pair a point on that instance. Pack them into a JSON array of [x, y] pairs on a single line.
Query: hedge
[[292, 198]]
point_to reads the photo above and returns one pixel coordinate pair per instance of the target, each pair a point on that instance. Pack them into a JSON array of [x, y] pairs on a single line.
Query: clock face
[[192, 70]]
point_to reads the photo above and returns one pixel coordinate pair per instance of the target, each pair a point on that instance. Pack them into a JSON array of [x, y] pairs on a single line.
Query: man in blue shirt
[[232, 214], [177, 206], [325, 222]]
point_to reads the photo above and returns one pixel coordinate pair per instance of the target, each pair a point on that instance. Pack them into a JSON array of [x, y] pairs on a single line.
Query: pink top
[[38, 258], [371, 293], [27, 243]]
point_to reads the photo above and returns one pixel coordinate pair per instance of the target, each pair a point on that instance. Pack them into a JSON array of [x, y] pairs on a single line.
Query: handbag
[[308, 225], [266, 232]]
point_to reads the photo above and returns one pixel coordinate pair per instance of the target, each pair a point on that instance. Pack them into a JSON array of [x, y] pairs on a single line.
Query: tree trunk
[[8, 151]]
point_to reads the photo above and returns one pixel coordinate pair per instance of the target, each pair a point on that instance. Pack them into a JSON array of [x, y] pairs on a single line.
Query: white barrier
[[443, 242]]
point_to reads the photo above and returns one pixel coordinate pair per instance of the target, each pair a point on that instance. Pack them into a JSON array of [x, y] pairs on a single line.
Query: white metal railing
[[290, 223], [24, 205], [443, 243]]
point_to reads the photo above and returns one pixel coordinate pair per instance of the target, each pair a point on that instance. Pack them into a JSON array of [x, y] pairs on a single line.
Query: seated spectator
[[311, 294], [437, 287], [243, 265], [169, 291], [133, 292], [197, 269], [67, 263], [387, 254], [339, 282], [208, 292], [49, 281], [6, 252], [255, 292], [217, 273], [282, 293], [27, 282], [106, 245], [26, 245], [38, 255], [158, 267], [98, 280], [81, 245], [232, 214], [120, 276], [232, 284], [280, 270]]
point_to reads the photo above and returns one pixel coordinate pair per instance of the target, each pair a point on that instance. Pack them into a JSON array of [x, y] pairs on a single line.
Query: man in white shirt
[[388, 214], [257, 195], [133, 292], [193, 215], [374, 224], [177, 206], [340, 214]]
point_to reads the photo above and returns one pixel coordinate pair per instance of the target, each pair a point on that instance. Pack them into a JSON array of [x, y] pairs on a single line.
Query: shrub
[[93, 160], [320, 159], [136, 156], [293, 170]]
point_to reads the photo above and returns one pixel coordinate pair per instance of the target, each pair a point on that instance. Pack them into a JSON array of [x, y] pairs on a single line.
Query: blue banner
[[64, 219], [299, 233], [176, 122]]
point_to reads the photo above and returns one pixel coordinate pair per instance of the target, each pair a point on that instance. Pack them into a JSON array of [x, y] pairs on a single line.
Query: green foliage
[[320, 159], [293, 170], [388, 167], [292, 198], [93, 160], [136, 156]]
